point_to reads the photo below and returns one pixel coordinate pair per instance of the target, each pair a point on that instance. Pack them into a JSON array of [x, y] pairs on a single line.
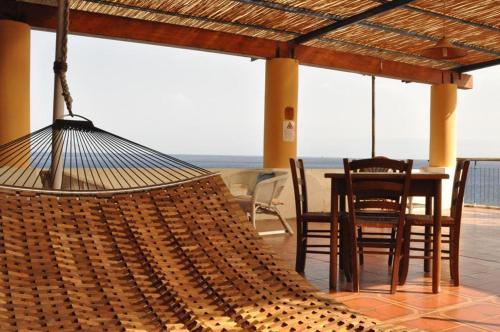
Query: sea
[[483, 183]]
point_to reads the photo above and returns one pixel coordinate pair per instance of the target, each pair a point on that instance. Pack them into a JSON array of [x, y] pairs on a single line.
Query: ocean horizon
[[242, 161]]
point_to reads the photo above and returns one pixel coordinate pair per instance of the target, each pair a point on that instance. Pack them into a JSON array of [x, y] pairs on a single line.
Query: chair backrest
[[299, 186], [246, 180], [267, 190], [376, 169], [458, 191], [242, 180], [377, 194]]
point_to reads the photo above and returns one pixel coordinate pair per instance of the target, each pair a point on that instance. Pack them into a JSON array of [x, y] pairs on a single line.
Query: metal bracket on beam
[[285, 50], [475, 66], [349, 21]]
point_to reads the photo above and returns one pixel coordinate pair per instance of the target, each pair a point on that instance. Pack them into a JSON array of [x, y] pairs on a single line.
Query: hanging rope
[[61, 66]]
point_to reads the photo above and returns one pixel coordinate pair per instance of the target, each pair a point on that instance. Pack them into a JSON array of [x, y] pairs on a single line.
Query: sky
[[182, 101]]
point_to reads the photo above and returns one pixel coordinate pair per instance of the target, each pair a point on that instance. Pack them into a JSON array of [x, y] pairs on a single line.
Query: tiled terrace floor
[[474, 306]]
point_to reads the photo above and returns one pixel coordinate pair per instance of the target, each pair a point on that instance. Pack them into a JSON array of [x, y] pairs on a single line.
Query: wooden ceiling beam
[[122, 28]]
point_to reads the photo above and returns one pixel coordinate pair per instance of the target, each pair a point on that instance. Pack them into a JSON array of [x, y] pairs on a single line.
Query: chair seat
[[317, 216], [427, 220], [379, 223], [378, 220]]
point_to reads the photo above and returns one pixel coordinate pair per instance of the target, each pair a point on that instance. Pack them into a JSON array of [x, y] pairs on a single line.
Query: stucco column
[[280, 120], [443, 137], [14, 80]]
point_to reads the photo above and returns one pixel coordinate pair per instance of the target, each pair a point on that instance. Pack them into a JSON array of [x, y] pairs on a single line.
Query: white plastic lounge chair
[[257, 191]]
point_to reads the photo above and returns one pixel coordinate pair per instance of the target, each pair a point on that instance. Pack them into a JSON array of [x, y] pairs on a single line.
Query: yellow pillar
[[443, 138], [14, 80], [280, 120]]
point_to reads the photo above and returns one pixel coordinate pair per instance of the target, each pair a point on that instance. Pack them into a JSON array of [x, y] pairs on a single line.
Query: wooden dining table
[[423, 184]]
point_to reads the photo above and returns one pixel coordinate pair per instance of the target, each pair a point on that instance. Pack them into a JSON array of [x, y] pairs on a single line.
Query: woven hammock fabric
[[74, 155], [179, 258]]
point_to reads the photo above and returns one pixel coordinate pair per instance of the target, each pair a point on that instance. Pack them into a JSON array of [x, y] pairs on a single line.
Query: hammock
[[179, 257]]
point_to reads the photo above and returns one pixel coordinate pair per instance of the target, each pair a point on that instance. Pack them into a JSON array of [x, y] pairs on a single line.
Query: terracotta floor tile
[[476, 312], [464, 328], [433, 301], [469, 292], [491, 324], [431, 323], [389, 311], [365, 303]]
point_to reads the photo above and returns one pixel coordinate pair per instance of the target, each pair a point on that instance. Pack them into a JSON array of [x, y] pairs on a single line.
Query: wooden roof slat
[[243, 22], [273, 33], [279, 23], [283, 34], [399, 44], [418, 9], [350, 20], [374, 50]]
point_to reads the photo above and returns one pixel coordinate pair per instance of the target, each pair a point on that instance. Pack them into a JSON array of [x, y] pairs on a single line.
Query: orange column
[[280, 120], [14, 80], [443, 137]]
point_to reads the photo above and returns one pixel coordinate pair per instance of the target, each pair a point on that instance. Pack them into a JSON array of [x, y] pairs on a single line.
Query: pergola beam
[[475, 66], [349, 21], [116, 27]]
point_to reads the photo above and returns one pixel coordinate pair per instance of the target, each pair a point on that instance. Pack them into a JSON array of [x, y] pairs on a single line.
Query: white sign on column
[[288, 131]]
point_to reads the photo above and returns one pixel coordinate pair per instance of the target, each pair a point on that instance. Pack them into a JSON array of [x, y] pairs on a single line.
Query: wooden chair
[[360, 228], [305, 218], [375, 201], [453, 222]]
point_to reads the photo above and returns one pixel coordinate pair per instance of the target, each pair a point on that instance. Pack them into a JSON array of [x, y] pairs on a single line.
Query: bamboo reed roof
[[399, 34]]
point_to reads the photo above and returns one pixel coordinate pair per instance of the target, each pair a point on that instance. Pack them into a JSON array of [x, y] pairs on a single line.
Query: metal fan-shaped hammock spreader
[[74, 155]]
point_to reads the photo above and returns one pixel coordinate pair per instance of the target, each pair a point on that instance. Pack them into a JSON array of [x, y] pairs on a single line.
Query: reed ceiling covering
[[399, 34]]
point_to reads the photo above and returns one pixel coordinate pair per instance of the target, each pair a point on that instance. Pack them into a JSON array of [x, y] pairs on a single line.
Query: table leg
[[436, 256], [427, 232], [344, 256], [334, 227]]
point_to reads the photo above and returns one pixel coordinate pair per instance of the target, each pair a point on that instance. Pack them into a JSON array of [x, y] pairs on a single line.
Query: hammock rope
[[61, 64]]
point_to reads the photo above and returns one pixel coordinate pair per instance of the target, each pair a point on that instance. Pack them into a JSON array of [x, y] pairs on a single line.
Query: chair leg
[[397, 260], [427, 249], [454, 255], [405, 263], [354, 261], [344, 262], [391, 250], [300, 255], [283, 221], [252, 217], [360, 239], [428, 238], [450, 247]]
